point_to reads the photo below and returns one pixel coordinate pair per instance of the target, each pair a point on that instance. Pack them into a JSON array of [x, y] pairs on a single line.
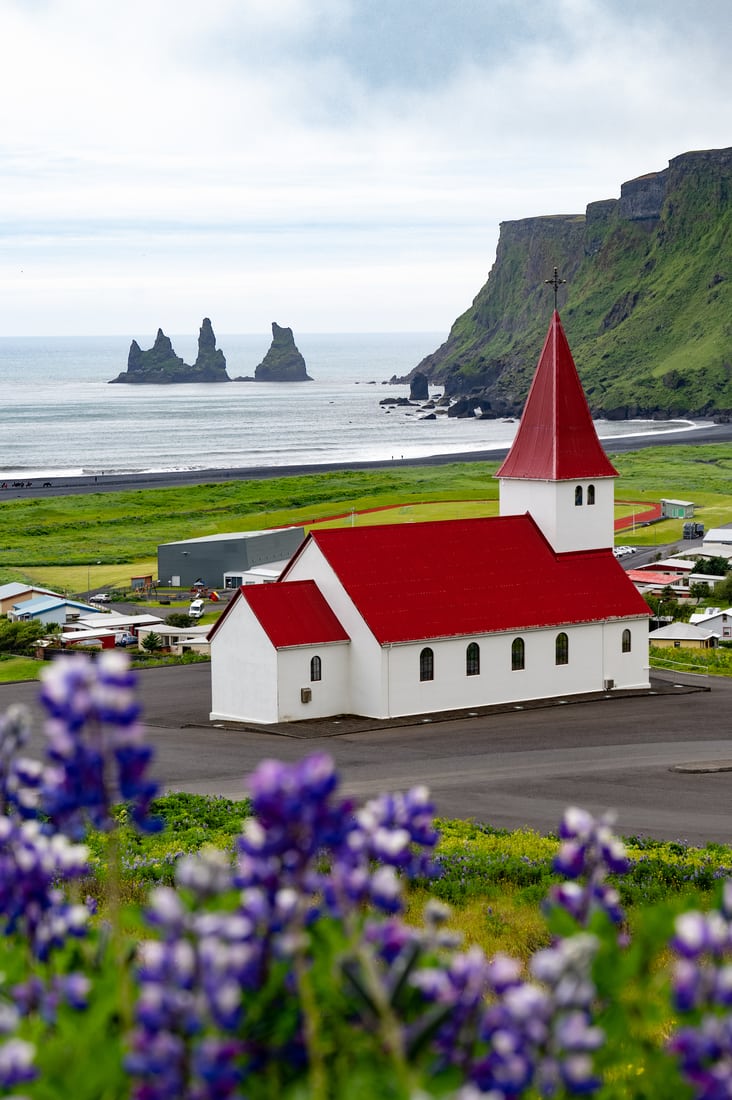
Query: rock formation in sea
[[283, 362], [160, 365], [418, 386]]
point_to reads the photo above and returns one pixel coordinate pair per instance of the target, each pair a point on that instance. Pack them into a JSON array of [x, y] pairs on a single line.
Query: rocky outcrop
[[419, 387], [283, 362], [210, 359], [159, 365]]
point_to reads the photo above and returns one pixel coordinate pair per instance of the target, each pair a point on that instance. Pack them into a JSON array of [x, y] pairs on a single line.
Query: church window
[[626, 641], [427, 664], [472, 660], [578, 496], [590, 494], [561, 649], [518, 655], [316, 669]]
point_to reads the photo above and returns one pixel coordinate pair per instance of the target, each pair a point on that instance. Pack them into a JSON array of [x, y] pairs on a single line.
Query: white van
[[196, 609]]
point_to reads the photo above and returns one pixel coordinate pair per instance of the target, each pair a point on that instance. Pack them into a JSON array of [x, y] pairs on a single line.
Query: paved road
[[520, 767]]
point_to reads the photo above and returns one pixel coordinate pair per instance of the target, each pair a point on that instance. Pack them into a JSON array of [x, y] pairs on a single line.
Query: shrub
[[20, 637]]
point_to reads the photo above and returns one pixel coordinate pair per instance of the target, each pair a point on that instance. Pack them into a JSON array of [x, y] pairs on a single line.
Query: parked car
[[195, 611], [125, 638], [101, 597]]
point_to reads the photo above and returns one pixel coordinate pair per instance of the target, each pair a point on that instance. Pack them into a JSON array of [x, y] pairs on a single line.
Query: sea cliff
[[646, 303]]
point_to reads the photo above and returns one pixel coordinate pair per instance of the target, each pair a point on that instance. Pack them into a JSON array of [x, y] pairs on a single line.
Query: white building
[[715, 619], [417, 618], [718, 542]]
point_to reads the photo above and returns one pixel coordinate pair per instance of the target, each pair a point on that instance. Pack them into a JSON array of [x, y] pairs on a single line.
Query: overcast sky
[[334, 165]]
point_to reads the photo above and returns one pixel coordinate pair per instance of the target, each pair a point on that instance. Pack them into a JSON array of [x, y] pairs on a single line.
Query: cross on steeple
[[556, 282]]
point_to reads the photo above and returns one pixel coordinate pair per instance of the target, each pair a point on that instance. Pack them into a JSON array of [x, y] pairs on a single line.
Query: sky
[[332, 165]]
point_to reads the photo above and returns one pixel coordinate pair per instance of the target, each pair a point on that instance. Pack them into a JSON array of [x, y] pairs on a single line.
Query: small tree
[[712, 567], [152, 642], [20, 637]]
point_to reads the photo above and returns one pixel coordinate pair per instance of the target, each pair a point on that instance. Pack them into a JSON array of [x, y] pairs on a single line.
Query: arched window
[[316, 668], [472, 660], [590, 494], [578, 495], [561, 649], [518, 655], [427, 664], [626, 641]]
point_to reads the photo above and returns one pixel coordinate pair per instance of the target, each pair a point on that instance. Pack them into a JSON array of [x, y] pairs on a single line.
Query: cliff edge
[[646, 303]]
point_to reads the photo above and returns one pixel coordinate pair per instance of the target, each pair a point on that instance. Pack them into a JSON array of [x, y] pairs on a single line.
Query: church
[[410, 619]]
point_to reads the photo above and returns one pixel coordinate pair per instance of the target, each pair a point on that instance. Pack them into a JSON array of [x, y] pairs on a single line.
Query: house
[[683, 636], [677, 509], [718, 542], [716, 619], [410, 619], [51, 609], [179, 639], [15, 592]]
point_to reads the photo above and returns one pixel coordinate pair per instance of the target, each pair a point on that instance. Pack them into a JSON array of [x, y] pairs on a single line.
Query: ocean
[[60, 416]]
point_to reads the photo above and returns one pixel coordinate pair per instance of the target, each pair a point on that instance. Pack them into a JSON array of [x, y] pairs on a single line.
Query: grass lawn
[[13, 669], [48, 541]]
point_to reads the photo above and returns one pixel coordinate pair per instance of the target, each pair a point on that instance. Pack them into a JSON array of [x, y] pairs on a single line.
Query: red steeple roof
[[556, 439]]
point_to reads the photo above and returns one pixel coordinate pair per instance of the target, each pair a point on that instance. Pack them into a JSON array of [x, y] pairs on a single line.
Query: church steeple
[[556, 468], [556, 439]]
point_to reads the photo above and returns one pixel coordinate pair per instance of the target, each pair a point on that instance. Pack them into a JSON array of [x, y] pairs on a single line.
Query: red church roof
[[556, 439], [291, 615], [442, 579]]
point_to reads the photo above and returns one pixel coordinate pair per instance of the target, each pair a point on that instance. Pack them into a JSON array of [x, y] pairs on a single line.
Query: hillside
[[647, 305]]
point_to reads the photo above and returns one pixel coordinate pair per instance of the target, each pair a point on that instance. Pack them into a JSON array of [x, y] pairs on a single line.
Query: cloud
[[333, 148]]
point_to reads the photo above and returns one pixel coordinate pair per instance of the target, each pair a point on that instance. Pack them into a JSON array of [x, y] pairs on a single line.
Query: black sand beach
[[51, 486]]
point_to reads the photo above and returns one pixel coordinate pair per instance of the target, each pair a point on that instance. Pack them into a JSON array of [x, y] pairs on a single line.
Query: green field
[[75, 543]]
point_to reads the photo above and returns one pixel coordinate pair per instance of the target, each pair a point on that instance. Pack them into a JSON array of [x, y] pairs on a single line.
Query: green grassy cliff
[[647, 306]]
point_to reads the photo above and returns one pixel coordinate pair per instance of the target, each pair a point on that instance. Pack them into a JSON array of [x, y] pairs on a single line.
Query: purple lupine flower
[[589, 851], [95, 749], [540, 1032], [32, 864], [16, 1063], [702, 986], [303, 851], [298, 821], [16, 1056]]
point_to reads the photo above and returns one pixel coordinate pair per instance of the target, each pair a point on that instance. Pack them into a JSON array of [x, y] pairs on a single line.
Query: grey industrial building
[[222, 561]]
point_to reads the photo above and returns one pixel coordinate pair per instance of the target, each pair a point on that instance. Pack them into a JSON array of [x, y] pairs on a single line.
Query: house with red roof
[[405, 619]]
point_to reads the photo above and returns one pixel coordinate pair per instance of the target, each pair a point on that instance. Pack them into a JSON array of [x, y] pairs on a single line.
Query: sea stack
[[283, 362], [160, 365]]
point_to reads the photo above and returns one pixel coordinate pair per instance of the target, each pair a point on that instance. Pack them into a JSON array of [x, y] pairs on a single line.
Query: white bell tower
[[556, 468]]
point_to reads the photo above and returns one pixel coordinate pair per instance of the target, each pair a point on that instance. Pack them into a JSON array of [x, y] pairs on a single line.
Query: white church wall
[[243, 669], [329, 695], [629, 669], [368, 691], [540, 678], [566, 525]]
